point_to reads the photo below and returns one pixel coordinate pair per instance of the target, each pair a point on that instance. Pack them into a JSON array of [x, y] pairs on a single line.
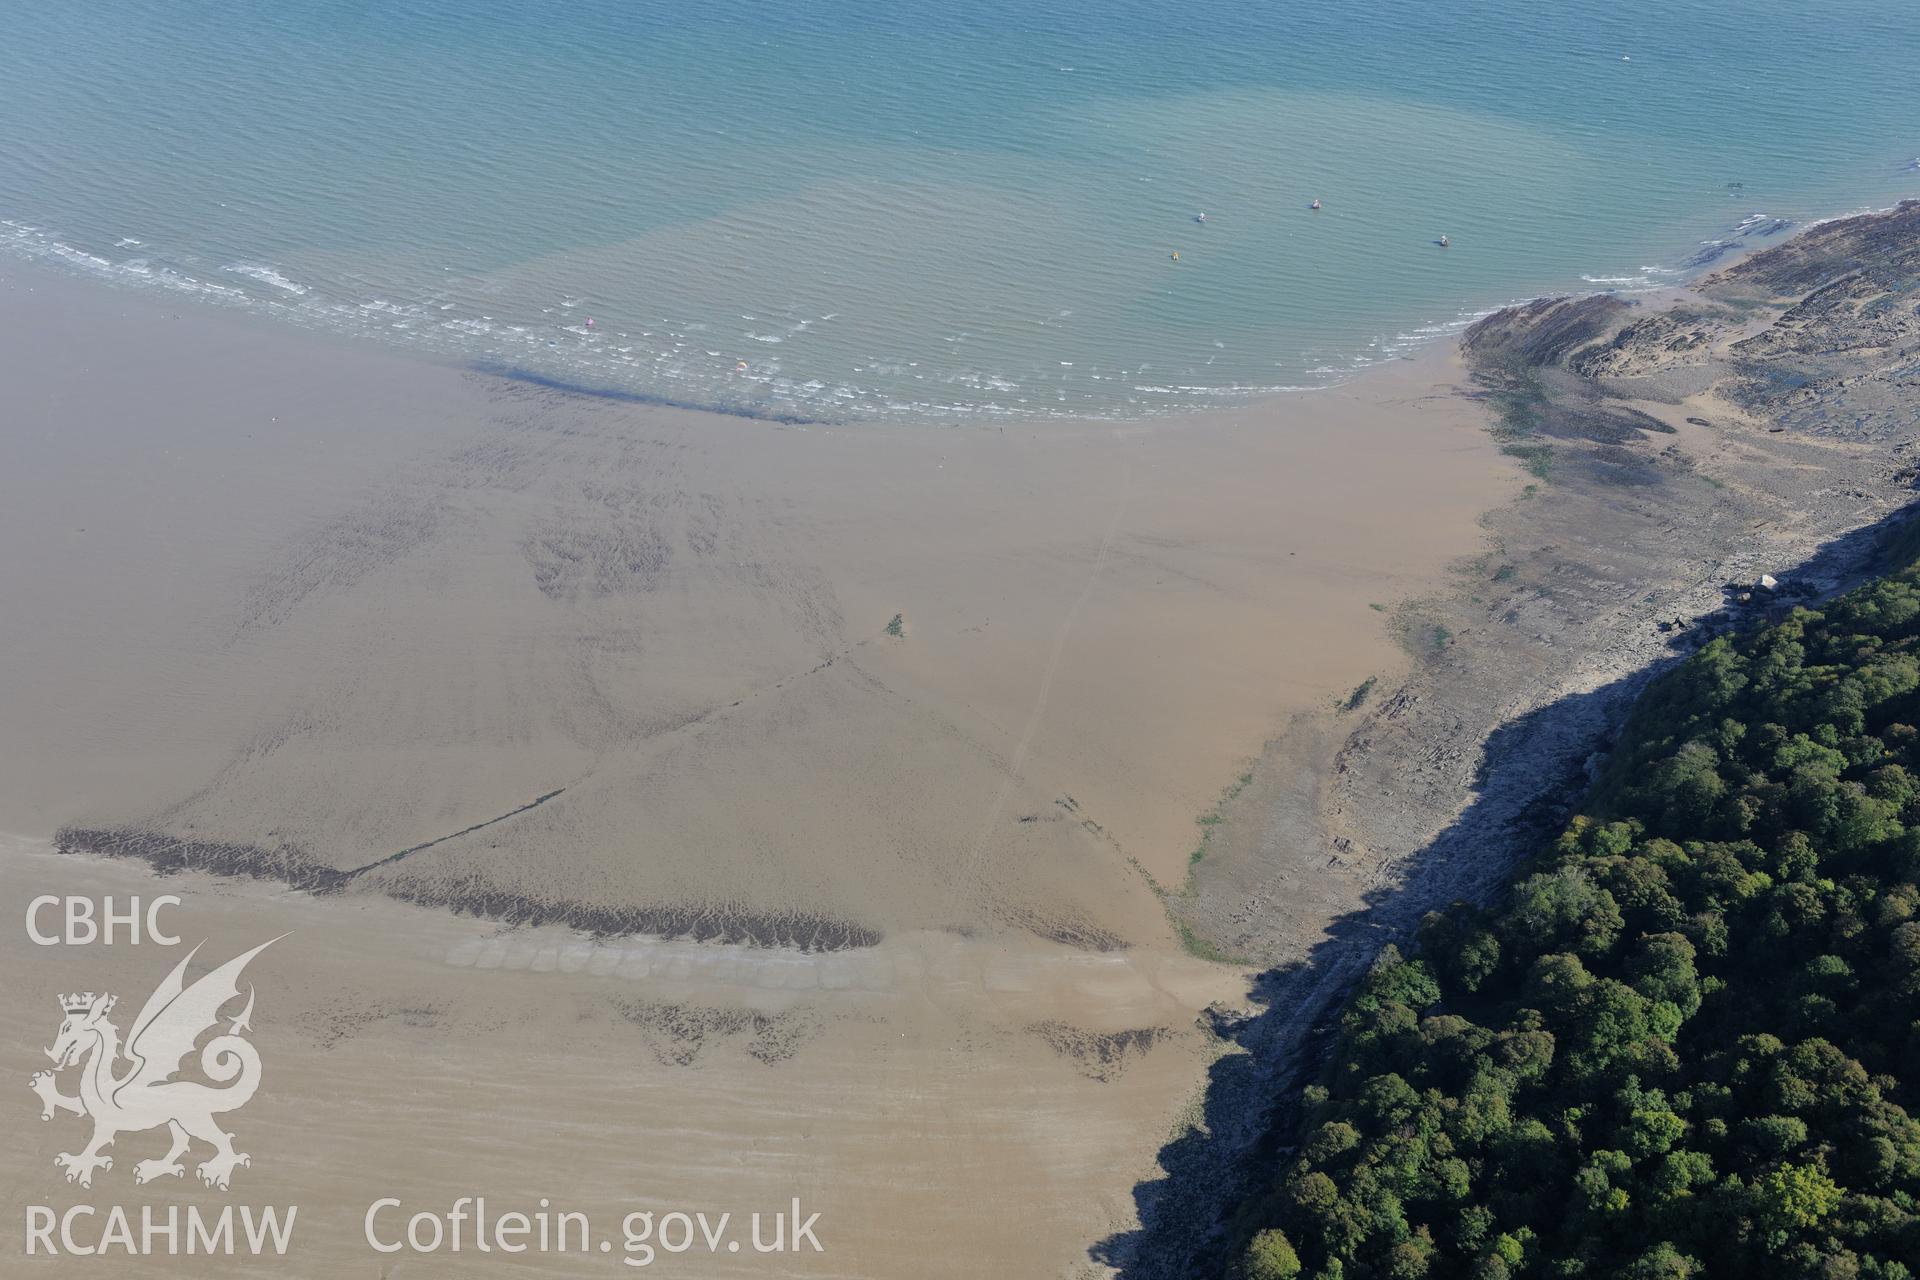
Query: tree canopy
[[1687, 1041]]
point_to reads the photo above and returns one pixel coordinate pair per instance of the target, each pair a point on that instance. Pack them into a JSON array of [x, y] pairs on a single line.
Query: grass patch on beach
[[1518, 397], [1420, 636], [898, 627], [1360, 693], [1519, 401], [1535, 459], [1208, 821], [1201, 949]]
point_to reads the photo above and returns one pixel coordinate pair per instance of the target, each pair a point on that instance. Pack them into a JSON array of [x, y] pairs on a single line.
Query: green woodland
[[1687, 1042]]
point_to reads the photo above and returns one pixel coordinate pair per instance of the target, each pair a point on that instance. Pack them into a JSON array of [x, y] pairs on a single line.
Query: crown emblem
[[81, 1001]]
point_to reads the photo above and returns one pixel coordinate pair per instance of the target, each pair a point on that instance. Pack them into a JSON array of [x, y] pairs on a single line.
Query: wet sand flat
[[319, 613], [293, 597]]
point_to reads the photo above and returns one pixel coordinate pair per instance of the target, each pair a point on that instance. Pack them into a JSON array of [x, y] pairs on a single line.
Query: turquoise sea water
[[914, 209]]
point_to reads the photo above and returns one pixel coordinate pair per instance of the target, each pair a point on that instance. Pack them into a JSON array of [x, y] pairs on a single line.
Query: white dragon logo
[[145, 1096]]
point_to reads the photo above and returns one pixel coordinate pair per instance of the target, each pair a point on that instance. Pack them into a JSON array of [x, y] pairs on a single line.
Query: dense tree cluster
[[1688, 1041]]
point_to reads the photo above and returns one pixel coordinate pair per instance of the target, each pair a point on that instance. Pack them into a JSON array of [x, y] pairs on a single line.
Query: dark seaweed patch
[[718, 922], [1069, 930], [1098, 1055], [170, 854], [676, 1033], [298, 869], [1614, 425]]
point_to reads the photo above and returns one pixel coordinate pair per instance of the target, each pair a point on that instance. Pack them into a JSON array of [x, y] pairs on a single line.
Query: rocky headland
[[1703, 460]]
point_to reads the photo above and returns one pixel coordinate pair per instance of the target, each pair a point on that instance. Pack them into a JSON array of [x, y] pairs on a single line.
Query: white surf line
[[1053, 666]]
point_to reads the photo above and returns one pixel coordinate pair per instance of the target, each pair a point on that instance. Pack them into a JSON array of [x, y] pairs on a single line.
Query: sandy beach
[[935, 712], [946, 1106], [325, 603], [626, 629], [667, 811]]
